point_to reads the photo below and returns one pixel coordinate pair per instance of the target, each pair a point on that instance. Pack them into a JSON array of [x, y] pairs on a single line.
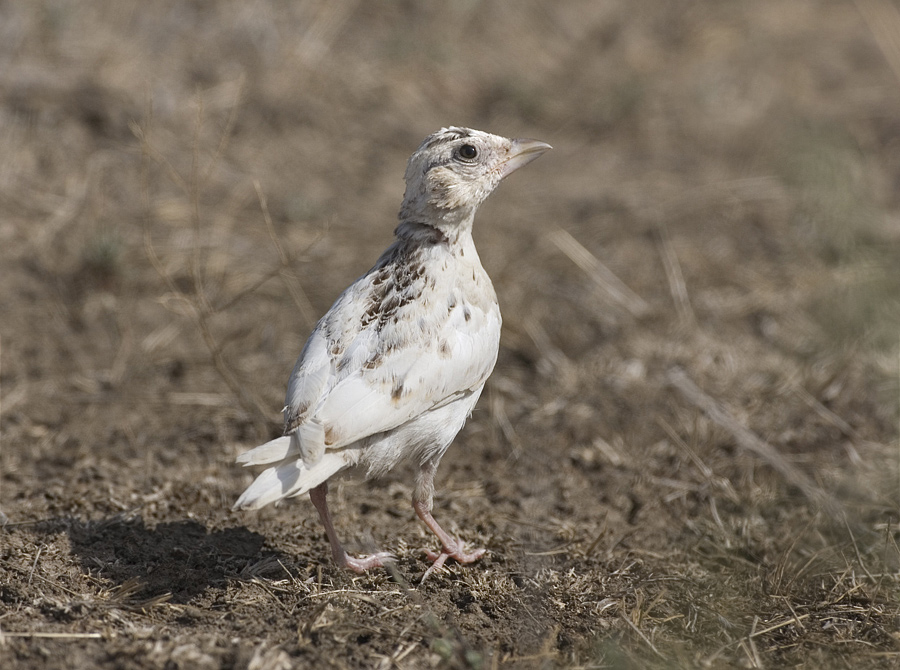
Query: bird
[[394, 368]]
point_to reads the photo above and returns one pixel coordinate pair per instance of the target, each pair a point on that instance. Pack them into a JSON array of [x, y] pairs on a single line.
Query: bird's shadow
[[178, 560]]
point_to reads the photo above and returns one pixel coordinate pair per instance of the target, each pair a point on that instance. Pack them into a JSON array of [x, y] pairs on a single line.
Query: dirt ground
[[687, 455]]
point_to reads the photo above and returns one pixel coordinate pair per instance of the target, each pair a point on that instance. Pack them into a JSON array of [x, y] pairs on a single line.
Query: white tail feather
[[310, 440], [289, 479], [271, 452], [307, 441]]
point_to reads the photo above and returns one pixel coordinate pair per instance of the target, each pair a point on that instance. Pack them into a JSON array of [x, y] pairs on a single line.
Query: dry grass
[[688, 454]]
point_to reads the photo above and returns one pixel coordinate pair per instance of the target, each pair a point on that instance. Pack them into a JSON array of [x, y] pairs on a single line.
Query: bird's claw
[[365, 563], [456, 552]]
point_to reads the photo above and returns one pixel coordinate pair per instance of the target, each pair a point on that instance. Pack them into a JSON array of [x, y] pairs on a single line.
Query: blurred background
[[186, 187]]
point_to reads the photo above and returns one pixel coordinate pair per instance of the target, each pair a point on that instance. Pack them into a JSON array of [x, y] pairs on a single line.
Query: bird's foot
[[365, 563], [456, 552]]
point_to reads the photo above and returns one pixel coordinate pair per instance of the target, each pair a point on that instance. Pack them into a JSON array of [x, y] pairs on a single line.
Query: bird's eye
[[467, 152]]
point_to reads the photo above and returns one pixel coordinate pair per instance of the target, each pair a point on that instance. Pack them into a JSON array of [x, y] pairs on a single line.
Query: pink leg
[[341, 557], [451, 547]]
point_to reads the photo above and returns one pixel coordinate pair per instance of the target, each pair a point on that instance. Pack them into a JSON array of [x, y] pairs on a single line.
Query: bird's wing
[[420, 374], [349, 384]]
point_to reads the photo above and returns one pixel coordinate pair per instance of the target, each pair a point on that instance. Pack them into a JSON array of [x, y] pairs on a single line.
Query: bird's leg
[[423, 500], [341, 557]]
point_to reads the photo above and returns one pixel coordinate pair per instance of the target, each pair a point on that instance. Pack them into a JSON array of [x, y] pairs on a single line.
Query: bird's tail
[[291, 476], [271, 452]]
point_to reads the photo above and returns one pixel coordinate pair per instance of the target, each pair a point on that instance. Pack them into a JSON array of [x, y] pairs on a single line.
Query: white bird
[[395, 367]]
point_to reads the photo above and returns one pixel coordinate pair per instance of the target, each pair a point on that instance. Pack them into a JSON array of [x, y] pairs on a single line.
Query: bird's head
[[455, 169]]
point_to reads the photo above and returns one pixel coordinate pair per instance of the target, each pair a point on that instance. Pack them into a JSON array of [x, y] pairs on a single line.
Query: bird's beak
[[521, 153]]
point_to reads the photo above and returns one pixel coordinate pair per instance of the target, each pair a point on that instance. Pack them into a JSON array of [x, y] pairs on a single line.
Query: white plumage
[[395, 367]]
